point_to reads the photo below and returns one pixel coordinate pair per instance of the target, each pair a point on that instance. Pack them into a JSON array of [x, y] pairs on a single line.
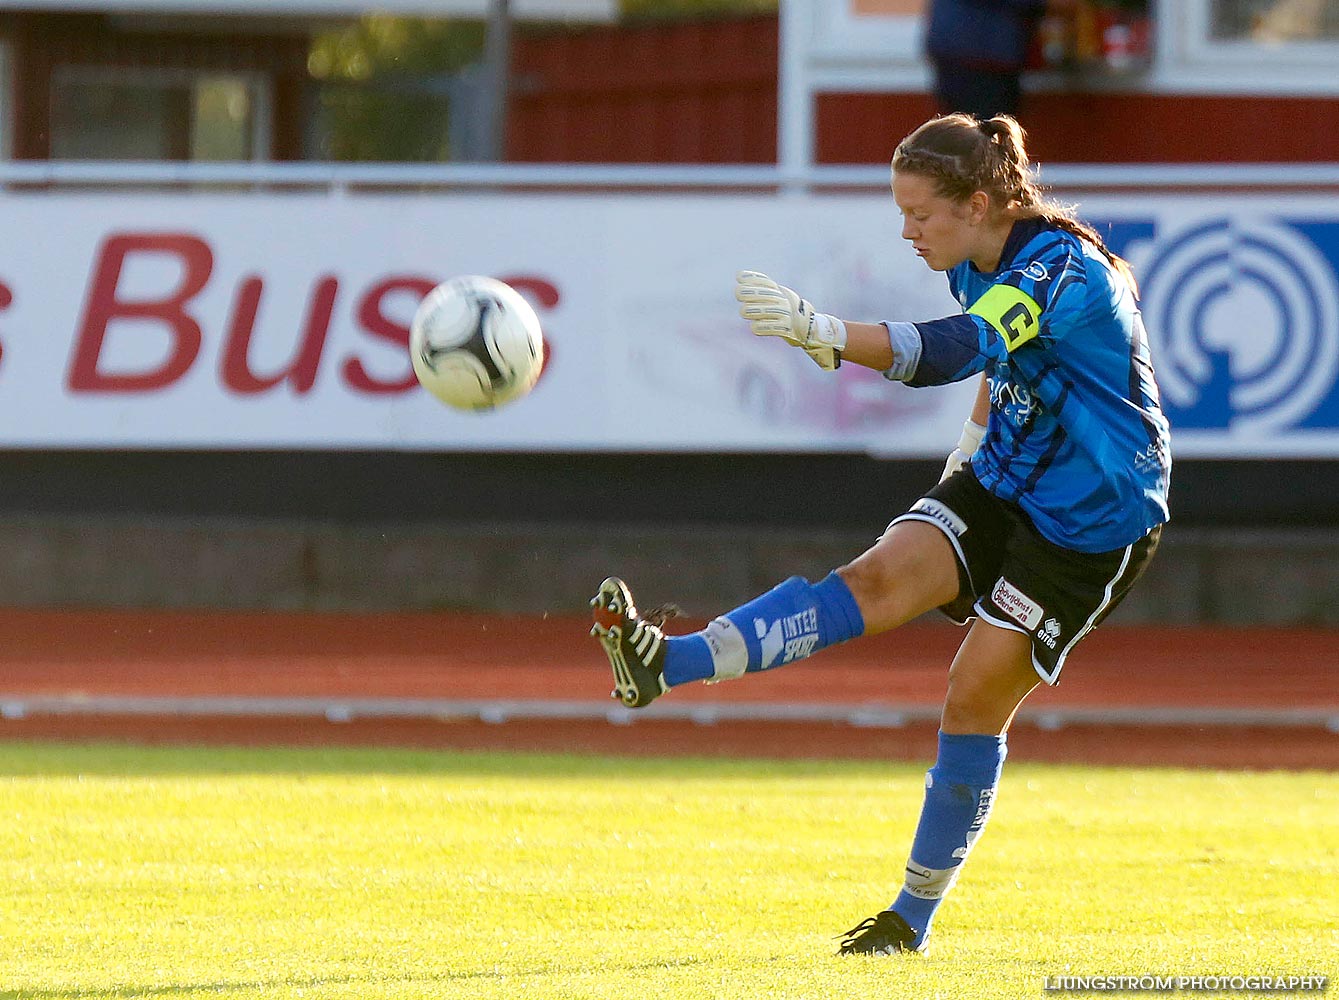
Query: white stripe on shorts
[[1049, 678], [1097, 612], [1052, 677]]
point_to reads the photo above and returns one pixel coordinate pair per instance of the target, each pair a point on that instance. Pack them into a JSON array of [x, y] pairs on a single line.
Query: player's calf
[[791, 622]]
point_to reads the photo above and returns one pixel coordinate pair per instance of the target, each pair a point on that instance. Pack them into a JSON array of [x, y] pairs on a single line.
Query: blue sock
[[959, 793], [791, 621]]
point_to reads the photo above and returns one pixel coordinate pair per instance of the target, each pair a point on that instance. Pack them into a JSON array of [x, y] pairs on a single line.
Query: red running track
[[480, 657]]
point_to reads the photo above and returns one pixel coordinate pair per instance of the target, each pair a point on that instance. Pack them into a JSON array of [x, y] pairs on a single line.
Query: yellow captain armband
[[1014, 314]]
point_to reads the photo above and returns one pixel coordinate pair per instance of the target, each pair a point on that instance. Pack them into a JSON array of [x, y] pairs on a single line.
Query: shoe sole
[[611, 603], [614, 612]]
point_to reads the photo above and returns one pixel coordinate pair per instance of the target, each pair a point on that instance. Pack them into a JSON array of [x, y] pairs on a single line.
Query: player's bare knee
[[981, 716], [881, 592], [982, 700], [900, 578], [972, 706], [867, 579]]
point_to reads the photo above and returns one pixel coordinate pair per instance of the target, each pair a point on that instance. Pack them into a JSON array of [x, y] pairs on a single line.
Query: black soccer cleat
[[884, 934], [634, 645]]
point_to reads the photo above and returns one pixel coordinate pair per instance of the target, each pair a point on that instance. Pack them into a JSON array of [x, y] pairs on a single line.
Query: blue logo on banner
[[1243, 314]]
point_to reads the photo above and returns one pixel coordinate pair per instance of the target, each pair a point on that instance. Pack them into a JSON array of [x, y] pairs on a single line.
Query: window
[[128, 114], [1274, 22], [1261, 46]]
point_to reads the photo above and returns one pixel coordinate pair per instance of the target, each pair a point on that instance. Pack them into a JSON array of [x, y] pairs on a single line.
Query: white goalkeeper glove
[[967, 445], [775, 311]]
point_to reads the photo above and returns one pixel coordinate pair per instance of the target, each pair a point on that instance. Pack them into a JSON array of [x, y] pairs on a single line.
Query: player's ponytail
[[963, 154], [1006, 160]]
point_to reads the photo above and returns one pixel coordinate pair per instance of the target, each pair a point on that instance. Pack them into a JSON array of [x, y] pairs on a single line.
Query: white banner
[[278, 321]]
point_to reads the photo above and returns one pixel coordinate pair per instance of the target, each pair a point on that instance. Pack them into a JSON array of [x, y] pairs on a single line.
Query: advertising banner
[[213, 321], [1241, 299]]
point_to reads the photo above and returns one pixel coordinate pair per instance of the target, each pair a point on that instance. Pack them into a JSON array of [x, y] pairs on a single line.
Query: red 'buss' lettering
[[170, 310], [375, 322], [103, 306], [236, 368], [6, 300]]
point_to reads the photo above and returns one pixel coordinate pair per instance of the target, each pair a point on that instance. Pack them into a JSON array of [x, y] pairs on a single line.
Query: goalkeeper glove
[[775, 311], [967, 445]]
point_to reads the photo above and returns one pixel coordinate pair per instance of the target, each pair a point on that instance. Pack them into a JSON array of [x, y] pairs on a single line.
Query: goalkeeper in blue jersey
[[1049, 509]]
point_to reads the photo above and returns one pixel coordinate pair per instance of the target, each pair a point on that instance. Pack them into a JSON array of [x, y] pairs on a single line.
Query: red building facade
[[679, 93]]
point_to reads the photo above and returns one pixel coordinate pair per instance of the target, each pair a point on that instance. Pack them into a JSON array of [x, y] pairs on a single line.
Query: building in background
[[211, 80], [825, 81], [1116, 81]]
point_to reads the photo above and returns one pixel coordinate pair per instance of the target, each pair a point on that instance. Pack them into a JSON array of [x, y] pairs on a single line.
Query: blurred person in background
[[1048, 510], [978, 49]]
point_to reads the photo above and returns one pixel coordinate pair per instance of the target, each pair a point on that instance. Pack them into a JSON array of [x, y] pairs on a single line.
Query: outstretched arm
[[867, 344], [933, 353]]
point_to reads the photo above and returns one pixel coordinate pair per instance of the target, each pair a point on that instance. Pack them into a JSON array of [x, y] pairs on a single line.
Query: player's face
[[939, 229]]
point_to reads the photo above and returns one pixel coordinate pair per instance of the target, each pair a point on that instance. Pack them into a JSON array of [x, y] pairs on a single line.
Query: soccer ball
[[475, 343]]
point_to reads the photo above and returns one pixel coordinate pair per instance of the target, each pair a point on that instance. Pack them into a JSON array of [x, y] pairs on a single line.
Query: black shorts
[[1014, 578]]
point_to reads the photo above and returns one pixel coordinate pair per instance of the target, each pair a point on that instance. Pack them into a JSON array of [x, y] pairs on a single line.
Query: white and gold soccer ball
[[475, 343]]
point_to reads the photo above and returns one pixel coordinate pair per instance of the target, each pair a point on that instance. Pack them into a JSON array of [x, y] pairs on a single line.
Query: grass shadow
[[223, 988], [21, 759]]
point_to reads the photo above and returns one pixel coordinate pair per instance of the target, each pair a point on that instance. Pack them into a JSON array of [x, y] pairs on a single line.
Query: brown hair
[[963, 154]]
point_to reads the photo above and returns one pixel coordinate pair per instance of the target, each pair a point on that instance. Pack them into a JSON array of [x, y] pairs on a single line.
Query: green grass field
[[172, 873]]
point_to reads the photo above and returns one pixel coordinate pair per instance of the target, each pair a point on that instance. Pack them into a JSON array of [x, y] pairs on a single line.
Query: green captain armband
[[1013, 313]]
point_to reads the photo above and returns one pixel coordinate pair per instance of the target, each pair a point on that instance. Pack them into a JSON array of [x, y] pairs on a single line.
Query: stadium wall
[[534, 533], [198, 417]]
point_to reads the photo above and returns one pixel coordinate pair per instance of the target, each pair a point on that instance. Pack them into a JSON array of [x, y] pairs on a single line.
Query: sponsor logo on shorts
[[942, 516], [1016, 604], [1049, 632]]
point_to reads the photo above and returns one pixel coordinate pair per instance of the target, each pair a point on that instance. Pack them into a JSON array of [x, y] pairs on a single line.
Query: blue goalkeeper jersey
[[1076, 435]]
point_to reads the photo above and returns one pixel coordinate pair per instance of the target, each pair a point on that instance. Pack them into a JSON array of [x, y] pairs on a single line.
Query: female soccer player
[[1049, 508]]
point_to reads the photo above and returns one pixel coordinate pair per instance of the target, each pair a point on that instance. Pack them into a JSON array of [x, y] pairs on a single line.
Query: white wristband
[[827, 331], [972, 432]]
